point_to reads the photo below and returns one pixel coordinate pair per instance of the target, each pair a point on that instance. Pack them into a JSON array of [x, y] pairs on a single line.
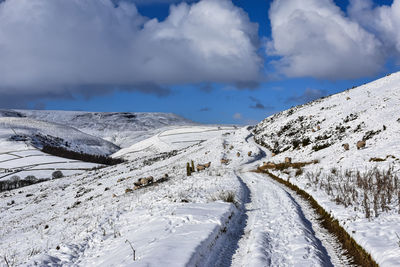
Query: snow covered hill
[[319, 129], [171, 139], [22, 140], [23, 133], [358, 185], [40, 133], [120, 128]]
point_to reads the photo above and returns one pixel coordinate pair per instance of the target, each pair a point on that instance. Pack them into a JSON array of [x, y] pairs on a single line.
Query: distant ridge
[[121, 128]]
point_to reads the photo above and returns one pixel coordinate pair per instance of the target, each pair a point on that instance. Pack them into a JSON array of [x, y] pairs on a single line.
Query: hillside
[[358, 185], [23, 133], [320, 128], [39, 133], [120, 128], [86, 219]]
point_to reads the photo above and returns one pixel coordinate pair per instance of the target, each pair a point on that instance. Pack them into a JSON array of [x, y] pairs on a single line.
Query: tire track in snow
[[277, 232], [329, 241]]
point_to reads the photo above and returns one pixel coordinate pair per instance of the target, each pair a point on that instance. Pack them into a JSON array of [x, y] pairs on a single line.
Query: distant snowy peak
[[40, 133], [370, 112]]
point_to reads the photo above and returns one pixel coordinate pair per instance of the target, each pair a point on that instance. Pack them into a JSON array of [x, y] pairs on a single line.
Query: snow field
[[29, 161], [86, 215], [90, 219]]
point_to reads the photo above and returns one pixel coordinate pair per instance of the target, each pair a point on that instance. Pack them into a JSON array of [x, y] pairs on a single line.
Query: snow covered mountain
[[120, 128]]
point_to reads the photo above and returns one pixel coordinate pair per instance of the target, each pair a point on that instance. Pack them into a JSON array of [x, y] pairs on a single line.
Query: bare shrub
[[371, 191]]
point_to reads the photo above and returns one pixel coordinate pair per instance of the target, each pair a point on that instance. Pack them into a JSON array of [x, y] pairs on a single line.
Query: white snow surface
[[19, 159], [96, 218], [92, 219], [369, 112], [26, 131], [120, 128], [34, 130]]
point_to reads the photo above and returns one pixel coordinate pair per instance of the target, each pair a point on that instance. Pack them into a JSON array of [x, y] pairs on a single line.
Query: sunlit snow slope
[[358, 185], [319, 129]]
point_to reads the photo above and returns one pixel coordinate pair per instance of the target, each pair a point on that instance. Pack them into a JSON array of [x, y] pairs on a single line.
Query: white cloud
[[315, 38], [149, 2], [383, 21], [55, 45]]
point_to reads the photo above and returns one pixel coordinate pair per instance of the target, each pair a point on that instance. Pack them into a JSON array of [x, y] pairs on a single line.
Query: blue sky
[[277, 71]]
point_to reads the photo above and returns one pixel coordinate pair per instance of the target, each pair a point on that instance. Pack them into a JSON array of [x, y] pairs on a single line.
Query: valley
[[203, 202]]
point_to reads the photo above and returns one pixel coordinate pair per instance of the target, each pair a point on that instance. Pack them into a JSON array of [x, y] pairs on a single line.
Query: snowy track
[[274, 227], [277, 232]]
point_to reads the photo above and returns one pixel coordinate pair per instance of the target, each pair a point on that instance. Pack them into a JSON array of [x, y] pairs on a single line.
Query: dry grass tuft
[[226, 196]]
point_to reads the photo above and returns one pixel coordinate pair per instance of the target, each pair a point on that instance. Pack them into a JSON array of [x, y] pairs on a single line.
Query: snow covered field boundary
[[359, 255]]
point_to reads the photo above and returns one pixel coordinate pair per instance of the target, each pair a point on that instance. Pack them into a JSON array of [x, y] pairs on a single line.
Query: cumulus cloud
[[49, 46], [315, 38], [147, 2], [383, 21]]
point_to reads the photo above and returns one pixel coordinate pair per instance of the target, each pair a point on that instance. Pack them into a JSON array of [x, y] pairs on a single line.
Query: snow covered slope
[[359, 185], [171, 139], [87, 219], [21, 141], [319, 129], [120, 128], [39, 133], [24, 162]]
